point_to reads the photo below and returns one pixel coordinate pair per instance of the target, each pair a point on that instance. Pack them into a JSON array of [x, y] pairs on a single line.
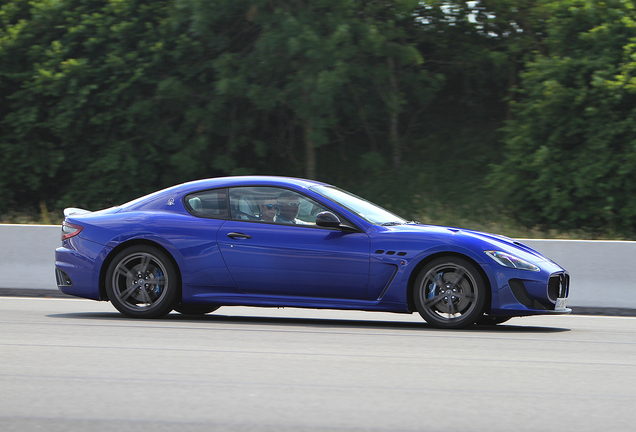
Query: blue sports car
[[284, 242]]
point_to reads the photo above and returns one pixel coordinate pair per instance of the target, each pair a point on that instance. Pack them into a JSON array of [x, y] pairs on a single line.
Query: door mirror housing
[[327, 219]]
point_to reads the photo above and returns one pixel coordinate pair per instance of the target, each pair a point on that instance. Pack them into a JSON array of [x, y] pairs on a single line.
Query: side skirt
[[226, 299]]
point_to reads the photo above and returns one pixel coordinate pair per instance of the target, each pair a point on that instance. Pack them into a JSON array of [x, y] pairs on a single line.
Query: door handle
[[235, 235]]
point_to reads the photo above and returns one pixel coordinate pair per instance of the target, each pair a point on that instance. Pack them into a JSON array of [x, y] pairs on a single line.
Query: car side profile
[[284, 242]]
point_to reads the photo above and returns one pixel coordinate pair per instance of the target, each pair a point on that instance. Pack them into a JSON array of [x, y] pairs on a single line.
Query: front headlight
[[511, 261]]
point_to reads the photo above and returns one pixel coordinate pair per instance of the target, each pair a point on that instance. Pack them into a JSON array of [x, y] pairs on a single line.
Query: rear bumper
[[77, 274]]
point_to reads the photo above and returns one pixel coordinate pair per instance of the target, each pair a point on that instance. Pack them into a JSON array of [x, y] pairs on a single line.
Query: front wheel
[[449, 293], [141, 282]]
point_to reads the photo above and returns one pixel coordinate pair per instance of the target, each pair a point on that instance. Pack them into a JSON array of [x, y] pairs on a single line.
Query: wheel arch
[[134, 242], [428, 259]]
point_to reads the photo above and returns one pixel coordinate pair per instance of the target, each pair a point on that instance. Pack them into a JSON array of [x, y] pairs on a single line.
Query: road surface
[[78, 365]]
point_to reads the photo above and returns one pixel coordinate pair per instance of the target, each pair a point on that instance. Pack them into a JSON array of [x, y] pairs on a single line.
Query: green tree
[[77, 84], [390, 57], [296, 67], [102, 101], [571, 146]]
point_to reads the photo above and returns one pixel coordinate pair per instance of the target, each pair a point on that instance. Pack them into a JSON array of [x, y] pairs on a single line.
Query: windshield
[[361, 207]]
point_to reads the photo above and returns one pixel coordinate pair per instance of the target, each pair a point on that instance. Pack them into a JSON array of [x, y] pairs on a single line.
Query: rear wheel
[[449, 293], [141, 282]]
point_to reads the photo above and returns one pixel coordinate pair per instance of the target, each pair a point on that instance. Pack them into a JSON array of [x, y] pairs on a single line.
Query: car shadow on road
[[326, 323]]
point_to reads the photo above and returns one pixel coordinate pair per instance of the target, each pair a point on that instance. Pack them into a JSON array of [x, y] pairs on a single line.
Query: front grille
[[558, 286]]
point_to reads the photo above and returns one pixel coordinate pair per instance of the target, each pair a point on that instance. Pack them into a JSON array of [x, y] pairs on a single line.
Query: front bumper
[[520, 293]]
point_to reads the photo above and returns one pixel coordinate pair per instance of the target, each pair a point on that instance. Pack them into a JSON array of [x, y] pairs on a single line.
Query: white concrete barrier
[[601, 271], [27, 256]]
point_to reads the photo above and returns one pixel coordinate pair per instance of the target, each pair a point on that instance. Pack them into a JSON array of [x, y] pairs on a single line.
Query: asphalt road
[[77, 365]]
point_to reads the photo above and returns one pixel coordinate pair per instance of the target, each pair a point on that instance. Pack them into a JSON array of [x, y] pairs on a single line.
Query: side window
[[274, 205], [210, 203]]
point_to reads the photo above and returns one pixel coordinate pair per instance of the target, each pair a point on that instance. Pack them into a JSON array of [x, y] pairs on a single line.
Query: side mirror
[[327, 219]]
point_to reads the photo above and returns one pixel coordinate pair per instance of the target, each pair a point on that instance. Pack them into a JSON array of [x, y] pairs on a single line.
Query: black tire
[[195, 309], [450, 293], [141, 282], [492, 320]]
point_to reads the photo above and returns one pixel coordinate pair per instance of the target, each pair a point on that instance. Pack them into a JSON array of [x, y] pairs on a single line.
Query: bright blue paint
[[284, 265]]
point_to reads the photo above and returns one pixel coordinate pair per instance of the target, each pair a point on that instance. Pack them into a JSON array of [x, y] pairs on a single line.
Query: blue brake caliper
[[158, 287], [431, 289]]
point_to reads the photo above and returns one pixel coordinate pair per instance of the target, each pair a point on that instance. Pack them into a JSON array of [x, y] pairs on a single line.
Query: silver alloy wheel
[[139, 281], [449, 293]]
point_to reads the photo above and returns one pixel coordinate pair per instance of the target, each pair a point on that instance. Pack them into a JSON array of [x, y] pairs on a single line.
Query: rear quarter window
[[208, 204]]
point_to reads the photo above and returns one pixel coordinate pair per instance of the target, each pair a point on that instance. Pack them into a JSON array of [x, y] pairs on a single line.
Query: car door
[[292, 258]]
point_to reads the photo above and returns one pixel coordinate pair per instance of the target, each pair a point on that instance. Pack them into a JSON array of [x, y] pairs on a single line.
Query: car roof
[[219, 182], [234, 181]]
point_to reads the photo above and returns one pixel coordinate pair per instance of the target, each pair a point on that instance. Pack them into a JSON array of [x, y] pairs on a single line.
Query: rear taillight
[[70, 230]]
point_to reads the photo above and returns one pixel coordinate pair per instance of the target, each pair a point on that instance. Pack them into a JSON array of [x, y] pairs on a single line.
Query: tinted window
[[210, 203], [275, 205]]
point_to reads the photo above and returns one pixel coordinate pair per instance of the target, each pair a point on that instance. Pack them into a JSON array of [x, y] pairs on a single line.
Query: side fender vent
[[382, 251]]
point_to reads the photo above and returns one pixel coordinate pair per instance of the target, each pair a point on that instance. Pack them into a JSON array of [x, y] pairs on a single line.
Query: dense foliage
[[571, 147], [407, 102]]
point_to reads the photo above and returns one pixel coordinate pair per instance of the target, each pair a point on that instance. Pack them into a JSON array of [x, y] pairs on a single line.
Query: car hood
[[475, 240], [513, 244]]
